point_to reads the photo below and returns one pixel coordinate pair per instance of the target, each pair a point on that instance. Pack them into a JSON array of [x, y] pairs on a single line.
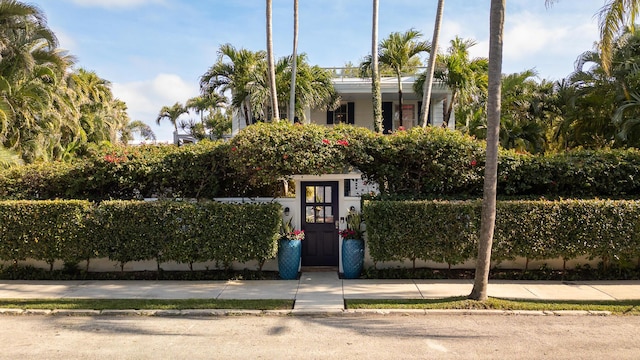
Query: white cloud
[[110, 4], [145, 99], [525, 35]]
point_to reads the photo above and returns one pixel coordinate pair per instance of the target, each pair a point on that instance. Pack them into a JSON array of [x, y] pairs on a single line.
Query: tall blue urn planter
[[352, 258], [289, 252]]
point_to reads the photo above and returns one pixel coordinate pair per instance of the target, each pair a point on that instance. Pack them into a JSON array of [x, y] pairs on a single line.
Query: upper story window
[[344, 114]]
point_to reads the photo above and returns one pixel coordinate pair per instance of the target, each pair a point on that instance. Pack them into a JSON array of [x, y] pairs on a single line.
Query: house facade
[[356, 105]]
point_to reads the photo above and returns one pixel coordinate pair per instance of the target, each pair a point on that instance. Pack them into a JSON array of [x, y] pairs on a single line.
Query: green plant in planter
[[289, 233], [354, 226]]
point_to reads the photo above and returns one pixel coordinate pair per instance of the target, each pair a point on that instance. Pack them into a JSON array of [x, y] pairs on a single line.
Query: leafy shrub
[[446, 231], [421, 162], [415, 164], [125, 231], [43, 230], [576, 174], [264, 153], [439, 231]]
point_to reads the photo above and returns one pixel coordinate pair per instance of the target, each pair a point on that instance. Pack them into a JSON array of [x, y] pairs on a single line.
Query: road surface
[[306, 337]]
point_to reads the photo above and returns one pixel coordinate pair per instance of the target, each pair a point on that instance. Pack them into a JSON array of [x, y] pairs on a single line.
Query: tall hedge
[[44, 230], [446, 231], [125, 231]]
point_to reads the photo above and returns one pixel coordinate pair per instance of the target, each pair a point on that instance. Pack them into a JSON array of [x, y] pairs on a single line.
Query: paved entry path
[[319, 291]]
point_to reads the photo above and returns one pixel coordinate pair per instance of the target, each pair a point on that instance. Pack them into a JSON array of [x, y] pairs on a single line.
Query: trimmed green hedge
[[576, 174], [44, 230], [138, 172], [126, 231], [415, 164], [447, 231]]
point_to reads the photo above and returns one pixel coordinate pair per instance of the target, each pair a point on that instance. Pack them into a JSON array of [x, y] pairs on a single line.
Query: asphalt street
[[309, 337]]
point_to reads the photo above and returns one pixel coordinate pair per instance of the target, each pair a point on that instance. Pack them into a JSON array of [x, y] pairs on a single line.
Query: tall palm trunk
[[481, 282], [449, 108], [375, 73], [428, 84], [400, 98], [294, 64], [271, 64]]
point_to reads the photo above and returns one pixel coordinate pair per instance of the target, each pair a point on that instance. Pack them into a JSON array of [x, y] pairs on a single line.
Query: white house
[[356, 105]]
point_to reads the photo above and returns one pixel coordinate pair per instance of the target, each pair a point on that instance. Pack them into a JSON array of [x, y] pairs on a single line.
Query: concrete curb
[[301, 313]]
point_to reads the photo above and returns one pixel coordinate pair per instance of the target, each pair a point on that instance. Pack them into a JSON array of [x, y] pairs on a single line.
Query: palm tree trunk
[[375, 73], [400, 98], [271, 63], [428, 84], [294, 64], [449, 109], [481, 282]]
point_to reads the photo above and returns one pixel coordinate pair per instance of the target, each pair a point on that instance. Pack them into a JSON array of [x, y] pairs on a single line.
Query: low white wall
[[105, 265], [518, 264]]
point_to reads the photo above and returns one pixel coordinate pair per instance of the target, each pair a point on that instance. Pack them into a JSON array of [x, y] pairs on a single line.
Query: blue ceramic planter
[[289, 252], [352, 258]]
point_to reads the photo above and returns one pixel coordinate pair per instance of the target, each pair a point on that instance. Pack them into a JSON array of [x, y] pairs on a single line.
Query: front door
[[320, 222]]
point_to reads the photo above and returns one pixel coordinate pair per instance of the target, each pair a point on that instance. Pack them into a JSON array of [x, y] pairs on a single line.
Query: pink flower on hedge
[[112, 158], [234, 148], [474, 162], [326, 142], [401, 128], [342, 142]]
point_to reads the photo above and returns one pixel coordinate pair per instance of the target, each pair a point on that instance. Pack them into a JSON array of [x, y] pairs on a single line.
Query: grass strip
[[622, 307], [145, 304]]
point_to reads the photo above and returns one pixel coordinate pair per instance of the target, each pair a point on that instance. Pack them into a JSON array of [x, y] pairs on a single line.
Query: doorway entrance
[[320, 222]]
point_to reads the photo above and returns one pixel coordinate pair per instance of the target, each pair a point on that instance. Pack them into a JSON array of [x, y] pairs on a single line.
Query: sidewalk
[[318, 291]]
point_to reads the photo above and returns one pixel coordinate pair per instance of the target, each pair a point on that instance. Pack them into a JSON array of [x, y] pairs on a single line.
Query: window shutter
[[351, 116], [329, 117]]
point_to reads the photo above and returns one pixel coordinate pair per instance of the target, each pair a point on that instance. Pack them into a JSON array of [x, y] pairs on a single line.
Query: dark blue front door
[[319, 222]]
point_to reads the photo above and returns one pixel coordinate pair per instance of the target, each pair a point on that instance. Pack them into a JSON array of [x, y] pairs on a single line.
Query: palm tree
[[613, 18], [428, 84], [599, 110], [18, 19], [171, 113], [271, 66], [399, 53], [466, 78], [398, 50], [203, 103], [313, 89], [527, 112], [9, 158], [137, 126], [294, 64], [488, 218], [233, 72], [375, 73]]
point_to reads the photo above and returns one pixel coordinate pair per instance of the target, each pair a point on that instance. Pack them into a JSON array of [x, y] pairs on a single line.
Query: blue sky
[[154, 51]]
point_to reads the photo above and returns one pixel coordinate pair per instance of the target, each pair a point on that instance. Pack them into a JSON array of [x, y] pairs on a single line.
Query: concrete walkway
[[318, 291]]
